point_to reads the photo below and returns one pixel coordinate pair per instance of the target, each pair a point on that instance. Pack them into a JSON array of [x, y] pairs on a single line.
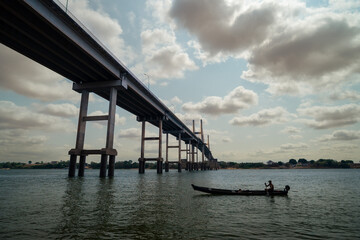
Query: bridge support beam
[[82, 165], [159, 159], [80, 137]]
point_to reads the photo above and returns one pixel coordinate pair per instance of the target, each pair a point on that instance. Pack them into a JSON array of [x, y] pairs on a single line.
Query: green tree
[[293, 161], [302, 161]]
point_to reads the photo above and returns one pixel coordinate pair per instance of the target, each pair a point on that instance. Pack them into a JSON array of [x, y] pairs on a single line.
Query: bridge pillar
[[83, 118], [159, 159], [111, 166], [167, 153], [82, 165], [72, 166], [103, 165], [179, 154]]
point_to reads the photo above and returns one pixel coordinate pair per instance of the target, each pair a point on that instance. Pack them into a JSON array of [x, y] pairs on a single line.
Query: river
[[45, 204]]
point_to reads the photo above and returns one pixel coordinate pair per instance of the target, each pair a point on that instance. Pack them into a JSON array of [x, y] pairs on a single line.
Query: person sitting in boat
[[269, 187]]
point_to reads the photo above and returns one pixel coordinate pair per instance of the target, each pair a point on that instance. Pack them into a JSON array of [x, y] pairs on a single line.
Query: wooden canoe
[[218, 191]]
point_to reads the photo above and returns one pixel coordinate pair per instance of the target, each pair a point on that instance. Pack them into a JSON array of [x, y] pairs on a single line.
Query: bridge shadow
[[86, 214]]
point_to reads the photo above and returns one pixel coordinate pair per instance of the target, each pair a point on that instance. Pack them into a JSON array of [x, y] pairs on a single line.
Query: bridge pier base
[[159, 167], [82, 165], [80, 138], [111, 169], [103, 165], [72, 166], [141, 166], [142, 159], [166, 166]]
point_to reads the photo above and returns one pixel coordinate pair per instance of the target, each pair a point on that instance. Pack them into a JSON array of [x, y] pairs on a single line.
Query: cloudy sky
[[270, 79]]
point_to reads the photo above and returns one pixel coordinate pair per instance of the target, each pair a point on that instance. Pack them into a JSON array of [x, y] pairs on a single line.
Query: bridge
[[47, 33]]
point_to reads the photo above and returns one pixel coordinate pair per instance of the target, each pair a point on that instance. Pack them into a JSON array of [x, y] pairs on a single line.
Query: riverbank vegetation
[[129, 164]]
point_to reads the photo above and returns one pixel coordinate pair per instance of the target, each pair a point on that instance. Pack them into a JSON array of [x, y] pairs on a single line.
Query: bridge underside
[[44, 32]]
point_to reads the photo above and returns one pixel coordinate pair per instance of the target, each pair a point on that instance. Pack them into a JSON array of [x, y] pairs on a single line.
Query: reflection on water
[[46, 204], [72, 209]]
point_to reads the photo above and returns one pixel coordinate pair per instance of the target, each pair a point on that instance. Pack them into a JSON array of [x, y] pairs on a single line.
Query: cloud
[[345, 95], [292, 146], [320, 52], [188, 118], [263, 117], [220, 28], [341, 135], [16, 137], [106, 29], [289, 47], [100, 124], [59, 110], [164, 58], [30, 79], [17, 117], [291, 130], [130, 133], [330, 117], [226, 140], [238, 99]]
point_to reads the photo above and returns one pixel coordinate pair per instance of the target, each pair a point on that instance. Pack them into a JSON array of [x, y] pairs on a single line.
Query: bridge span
[[45, 32]]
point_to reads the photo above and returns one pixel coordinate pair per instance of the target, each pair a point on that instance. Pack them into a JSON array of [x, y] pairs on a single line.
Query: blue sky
[[272, 80]]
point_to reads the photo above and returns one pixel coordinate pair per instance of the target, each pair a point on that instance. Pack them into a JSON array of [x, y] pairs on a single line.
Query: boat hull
[[217, 191]]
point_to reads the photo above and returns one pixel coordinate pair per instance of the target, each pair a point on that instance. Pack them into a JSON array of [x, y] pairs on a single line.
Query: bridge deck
[[44, 32]]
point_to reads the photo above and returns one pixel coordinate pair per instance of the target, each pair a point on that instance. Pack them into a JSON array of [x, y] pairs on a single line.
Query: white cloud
[[238, 99], [164, 58], [341, 135], [130, 133], [188, 118], [30, 79], [226, 140], [291, 130], [100, 124], [106, 29], [330, 117], [59, 110], [263, 117], [291, 48], [17, 137], [17, 117], [345, 95], [320, 52], [220, 28], [176, 100], [292, 146]]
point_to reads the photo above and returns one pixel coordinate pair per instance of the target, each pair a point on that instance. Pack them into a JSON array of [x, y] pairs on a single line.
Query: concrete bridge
[[48, 34]]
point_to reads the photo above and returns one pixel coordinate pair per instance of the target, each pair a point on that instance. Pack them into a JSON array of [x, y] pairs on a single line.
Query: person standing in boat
[[269, 187]]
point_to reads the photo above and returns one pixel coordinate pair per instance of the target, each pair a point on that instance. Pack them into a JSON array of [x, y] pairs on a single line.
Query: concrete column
[[192, 156], [142, 154], [111, 169], [111, 121], [179, 154], [103, 165], [72, 166], [187, 159], [82, 166], [159, 162], [203, 146], [167, 154], [80, 137]]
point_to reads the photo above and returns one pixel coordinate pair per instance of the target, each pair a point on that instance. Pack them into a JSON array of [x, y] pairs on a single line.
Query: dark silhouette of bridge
[[48, 34]]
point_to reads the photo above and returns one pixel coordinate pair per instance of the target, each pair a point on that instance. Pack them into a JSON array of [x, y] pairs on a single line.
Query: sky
[[272, 80]]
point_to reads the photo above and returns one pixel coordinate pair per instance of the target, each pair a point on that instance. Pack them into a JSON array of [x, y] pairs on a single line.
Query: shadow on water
[[84, 215], [72, 209], [103, 213]]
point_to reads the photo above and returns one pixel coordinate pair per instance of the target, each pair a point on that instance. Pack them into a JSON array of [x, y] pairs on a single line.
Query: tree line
[[321, 163], [129, 164]]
